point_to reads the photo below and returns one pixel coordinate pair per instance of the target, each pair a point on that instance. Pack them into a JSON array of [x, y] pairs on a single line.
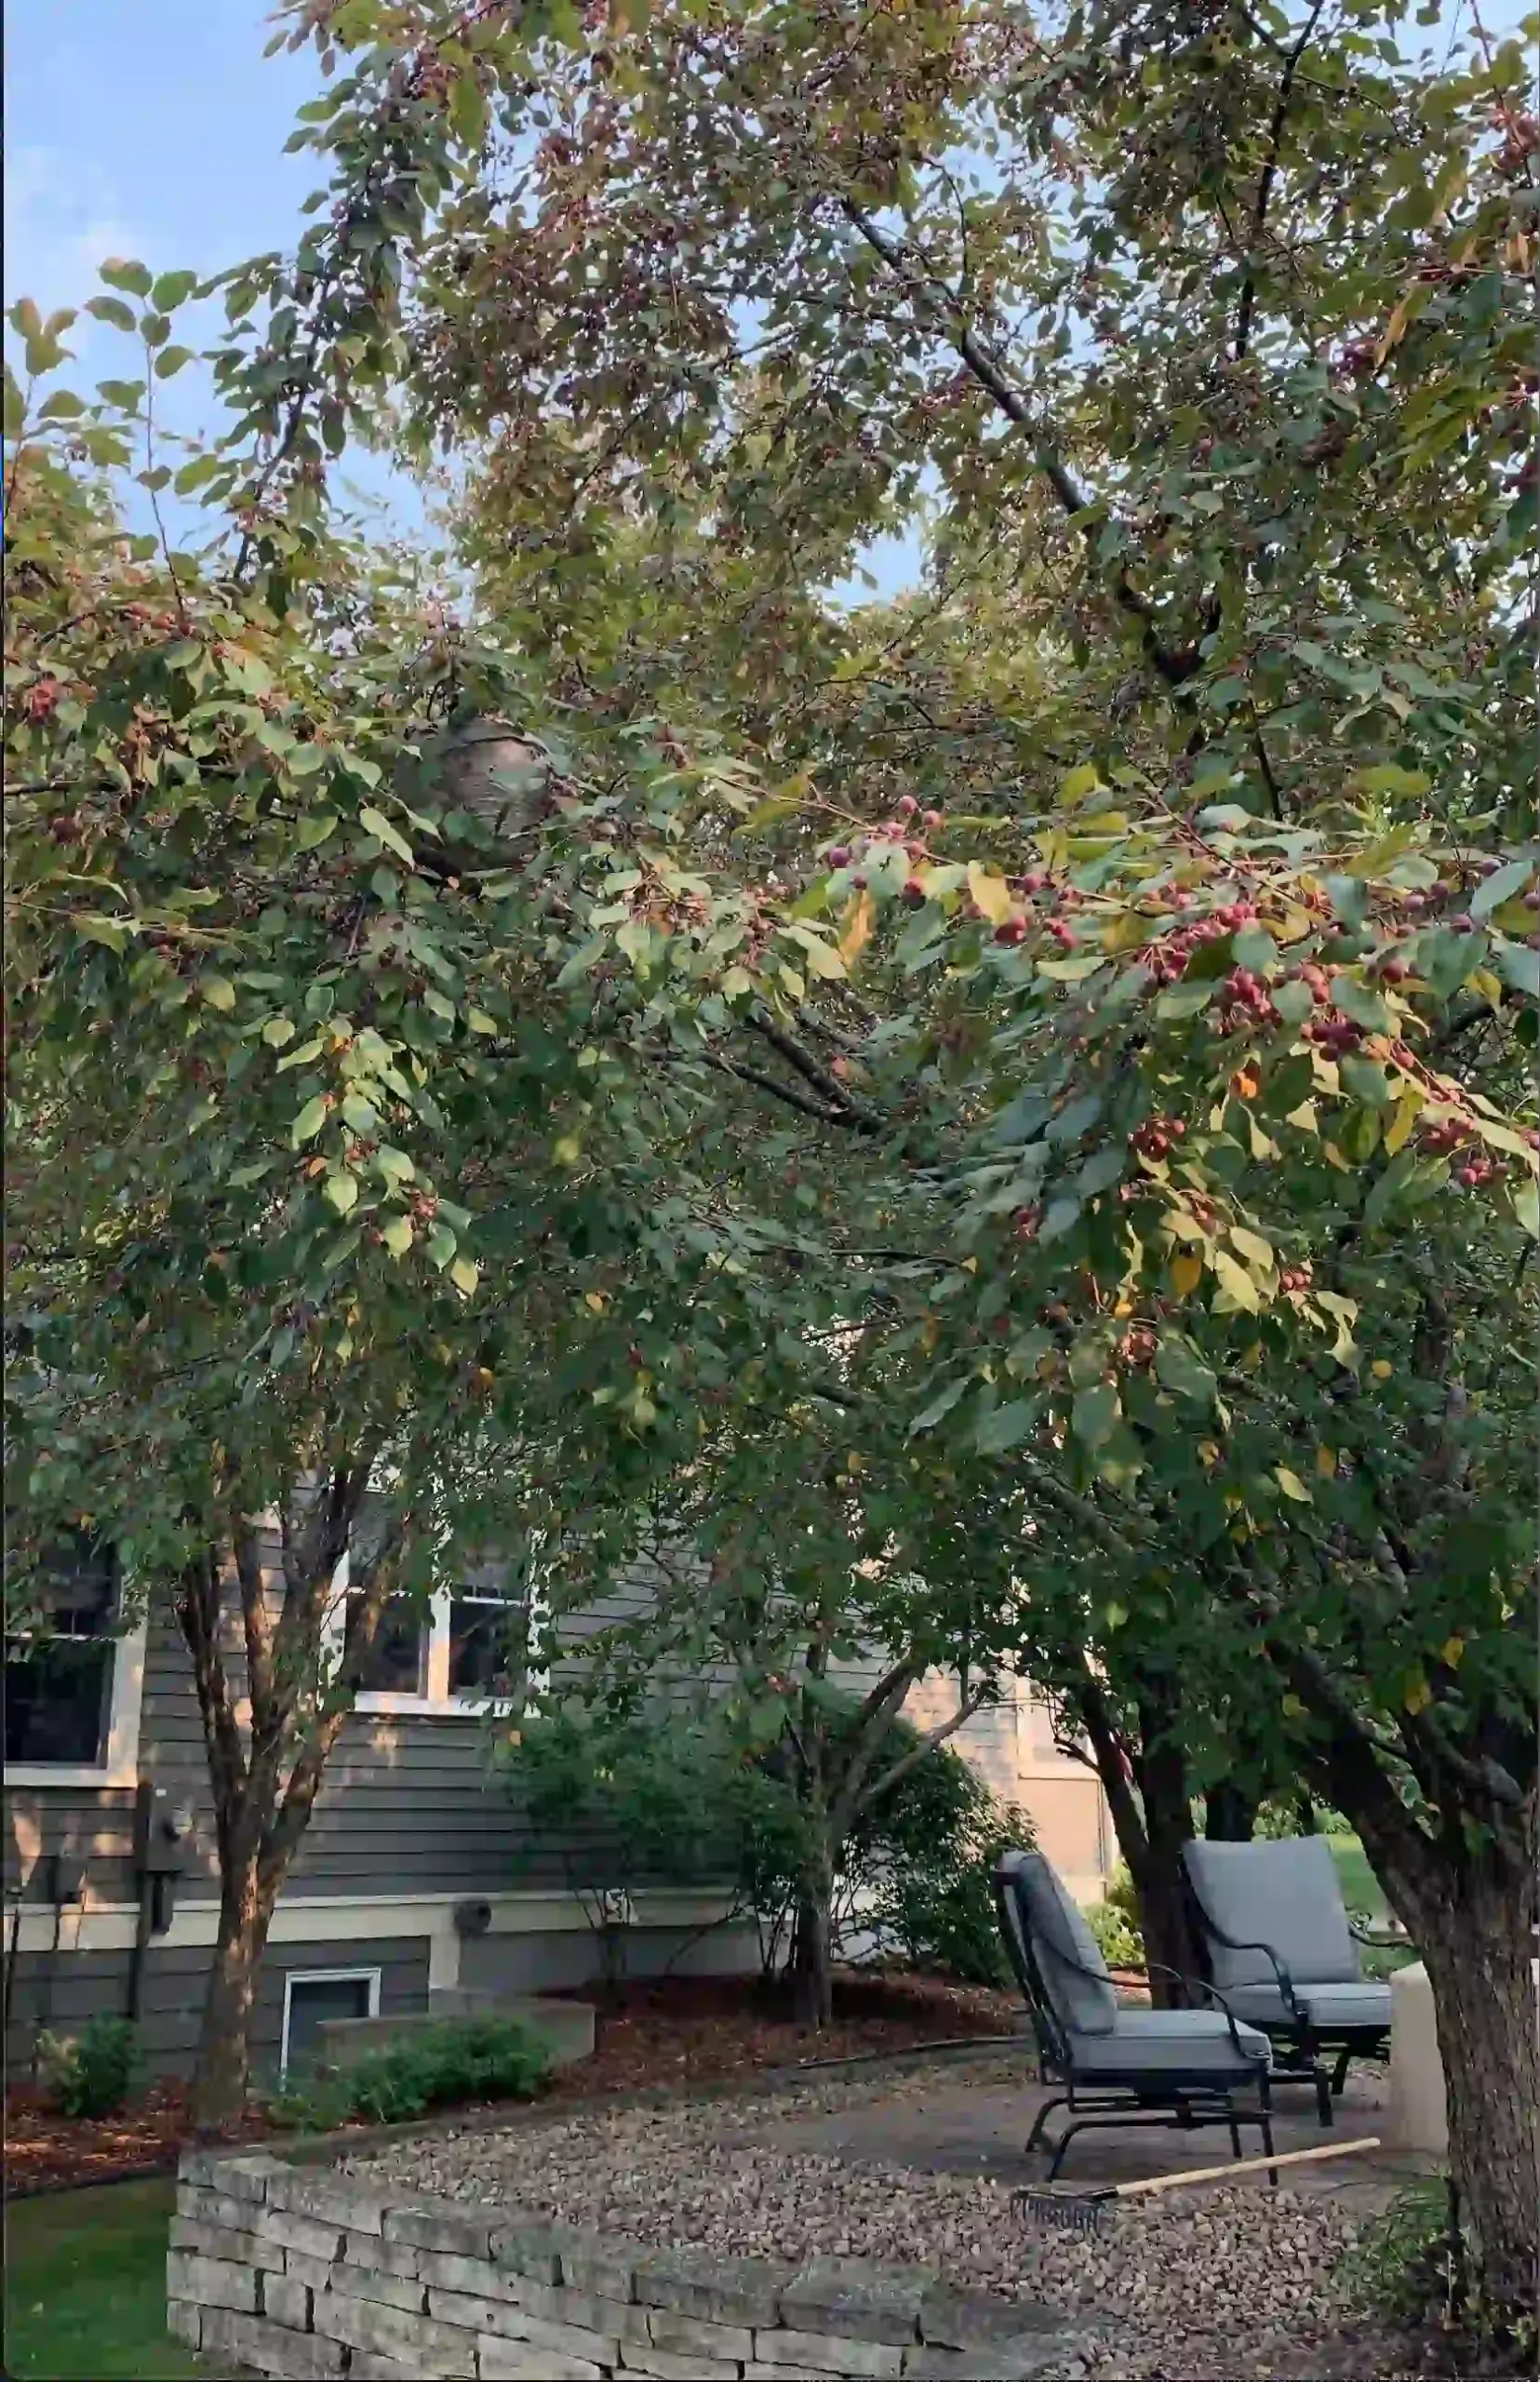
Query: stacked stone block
[[282, 2271]]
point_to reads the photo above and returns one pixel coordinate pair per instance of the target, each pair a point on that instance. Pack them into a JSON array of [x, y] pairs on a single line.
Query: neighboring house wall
[[407, 1826]]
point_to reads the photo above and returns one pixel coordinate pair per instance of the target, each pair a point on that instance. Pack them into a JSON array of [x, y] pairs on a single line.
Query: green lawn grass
[[1361, 1891], [86, 2287]]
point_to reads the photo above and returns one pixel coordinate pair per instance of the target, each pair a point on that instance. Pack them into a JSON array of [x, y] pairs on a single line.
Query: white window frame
[[119, 1762], [437, 1700], [323, 1976]]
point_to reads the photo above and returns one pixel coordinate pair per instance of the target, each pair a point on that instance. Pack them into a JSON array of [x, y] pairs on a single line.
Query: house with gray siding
[[417, 1874]]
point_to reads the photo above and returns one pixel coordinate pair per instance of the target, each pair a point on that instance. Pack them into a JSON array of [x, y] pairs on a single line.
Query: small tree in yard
[[796, 1560]]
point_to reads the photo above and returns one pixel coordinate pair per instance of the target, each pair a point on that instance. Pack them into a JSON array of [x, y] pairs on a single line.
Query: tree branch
[[1268, 176]]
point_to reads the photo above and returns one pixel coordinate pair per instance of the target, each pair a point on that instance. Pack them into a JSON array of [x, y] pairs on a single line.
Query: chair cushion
[[1058, 1934], [1167, 2042], [1331, 2007], [1284, 1893]]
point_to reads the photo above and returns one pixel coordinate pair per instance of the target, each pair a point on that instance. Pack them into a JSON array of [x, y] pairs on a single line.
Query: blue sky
[[156, 129]]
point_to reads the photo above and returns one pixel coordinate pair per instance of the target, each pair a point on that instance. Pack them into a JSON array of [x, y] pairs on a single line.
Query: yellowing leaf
[[375, 822], [397, 1236], [593, 1299], [1293, 1708], [1451, 1652], [465, 1274], [1291, 1484], [1482, 981], [1186, 1272], [341, 1189], [1403, 1117], [1381, 1370], [991, 893], [855, 928], [218, 991], [567, 1150], [1256, 1252], [1326, 1463], [1080, 783], [479, 1023], [1235, 1285], [1418, 1696]]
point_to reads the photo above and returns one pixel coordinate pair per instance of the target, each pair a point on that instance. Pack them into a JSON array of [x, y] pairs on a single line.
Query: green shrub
[[88, 2076], [457, 2059], [1113, 1922], [1410, 2264]]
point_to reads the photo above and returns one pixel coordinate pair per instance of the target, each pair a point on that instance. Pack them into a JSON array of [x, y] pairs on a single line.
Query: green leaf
[[1095, 1414], [127, 273], [941, 1404], [311, 1050], [172, 290], [1526, 1206], [171, 359], [154, 329], [63, 406], [218, 991], [1366, 1079], [342, 1188], [376, 824], [313, 829], [1179, 1368], [1518, 966], [442, 1244], [398, 1236], [311, 1119], [1005, 1427], [1494, 889]]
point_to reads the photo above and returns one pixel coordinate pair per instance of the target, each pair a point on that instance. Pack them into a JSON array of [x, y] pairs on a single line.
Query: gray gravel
[[1223, 2282]]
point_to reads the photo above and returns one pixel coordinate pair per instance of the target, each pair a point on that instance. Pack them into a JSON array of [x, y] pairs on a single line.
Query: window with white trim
[[75, 1681], [460, 1652], [312, 1996]]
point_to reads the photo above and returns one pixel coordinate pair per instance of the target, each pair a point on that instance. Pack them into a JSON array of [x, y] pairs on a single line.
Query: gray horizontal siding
[[63, 1994]]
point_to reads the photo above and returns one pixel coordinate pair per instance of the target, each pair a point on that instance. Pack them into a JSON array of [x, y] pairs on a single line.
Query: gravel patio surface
[[1227, 2281]]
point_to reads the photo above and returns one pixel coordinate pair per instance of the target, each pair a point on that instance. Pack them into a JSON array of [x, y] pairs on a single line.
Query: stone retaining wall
[[289, 2271]]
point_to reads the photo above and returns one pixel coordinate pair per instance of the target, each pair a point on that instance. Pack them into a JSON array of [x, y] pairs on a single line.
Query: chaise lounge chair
[[1281, 1949], [1119, 2066]]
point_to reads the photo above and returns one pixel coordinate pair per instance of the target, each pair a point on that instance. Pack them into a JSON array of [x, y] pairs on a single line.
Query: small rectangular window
[[310, 1999], [58, 1677]]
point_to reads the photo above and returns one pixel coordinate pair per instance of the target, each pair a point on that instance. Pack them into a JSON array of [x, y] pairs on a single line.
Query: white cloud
[[62, 221]]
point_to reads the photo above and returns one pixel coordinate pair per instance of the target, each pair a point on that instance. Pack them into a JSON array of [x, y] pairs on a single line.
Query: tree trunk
[[1230, 1817], [812, 1945], [1160, 1879], [1478, 1951], [225, 2047]]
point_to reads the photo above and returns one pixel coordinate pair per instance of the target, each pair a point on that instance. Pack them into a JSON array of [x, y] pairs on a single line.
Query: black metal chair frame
[[1301, 2042], [1140, 2097]]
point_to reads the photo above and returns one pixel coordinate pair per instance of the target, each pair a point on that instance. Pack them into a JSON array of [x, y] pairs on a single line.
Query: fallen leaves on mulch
[[674, 2032], [46, 2152], [691, 2031]]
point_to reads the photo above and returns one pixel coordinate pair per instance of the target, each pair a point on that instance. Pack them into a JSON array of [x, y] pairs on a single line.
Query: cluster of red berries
[[1026, 1220], [1312, 974], [1296, 1278], [1155, 1136], [1438, 1139], [1335, 1033], [1244, 996], [1137, 1346], [1167, 961], [1012, 930], [1475, 1172]]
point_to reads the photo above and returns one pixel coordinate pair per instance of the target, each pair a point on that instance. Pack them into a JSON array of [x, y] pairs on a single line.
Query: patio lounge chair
[[1281, 1949], [1119, 2066]]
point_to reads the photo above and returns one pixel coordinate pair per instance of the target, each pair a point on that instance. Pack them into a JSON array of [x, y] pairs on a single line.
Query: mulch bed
[[669, 2033]]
